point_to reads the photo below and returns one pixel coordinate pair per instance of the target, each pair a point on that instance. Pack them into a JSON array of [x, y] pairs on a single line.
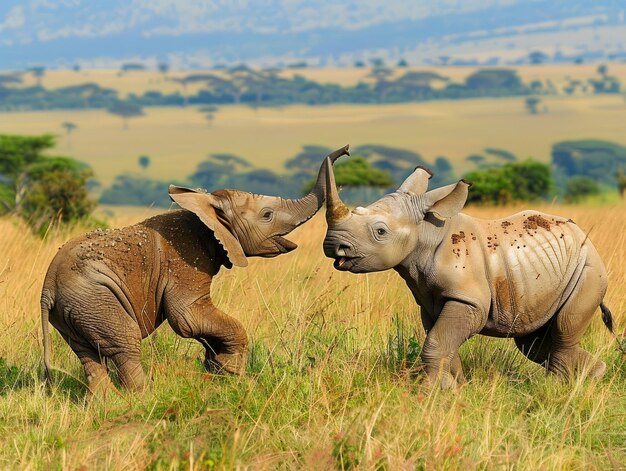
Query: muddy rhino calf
[[107, 290]]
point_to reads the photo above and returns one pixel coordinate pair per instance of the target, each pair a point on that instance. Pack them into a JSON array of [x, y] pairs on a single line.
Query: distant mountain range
[[200, 33]]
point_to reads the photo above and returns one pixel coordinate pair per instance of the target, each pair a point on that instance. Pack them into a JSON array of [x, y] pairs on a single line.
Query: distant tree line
[[242, 84], [267, 88], [595, 159], [44, 189], [603, 83], [586, 167], [84, 96], [578, 169]]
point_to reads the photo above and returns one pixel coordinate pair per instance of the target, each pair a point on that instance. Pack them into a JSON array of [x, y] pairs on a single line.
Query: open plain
[[177, 139]]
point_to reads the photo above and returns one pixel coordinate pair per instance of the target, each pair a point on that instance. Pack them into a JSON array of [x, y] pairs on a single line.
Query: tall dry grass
[[328, 382]]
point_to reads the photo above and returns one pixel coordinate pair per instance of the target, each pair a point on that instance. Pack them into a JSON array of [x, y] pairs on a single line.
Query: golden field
[[328, 384], [177, 139]]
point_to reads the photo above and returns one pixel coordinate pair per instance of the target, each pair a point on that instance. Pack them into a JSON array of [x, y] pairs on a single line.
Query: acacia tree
[[126, 110], [209, 113], [144, 162], [216, 171], [532, 104], [236, 84], [183, 82], [476, 159], [38, 73], [381, 75], [69, 128], [164, 68], [258, 82], [419, 82], [537, 57]]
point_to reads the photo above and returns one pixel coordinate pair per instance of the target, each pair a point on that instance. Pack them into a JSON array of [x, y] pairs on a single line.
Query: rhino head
[[382, 235], [250, 225]]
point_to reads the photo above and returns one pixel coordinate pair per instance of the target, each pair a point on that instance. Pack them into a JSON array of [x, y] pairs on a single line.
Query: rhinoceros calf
[[106, 291], [531, 276]]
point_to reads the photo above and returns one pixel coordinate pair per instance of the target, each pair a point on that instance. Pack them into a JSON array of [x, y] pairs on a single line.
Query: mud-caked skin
[[534, 277], [105, 291]]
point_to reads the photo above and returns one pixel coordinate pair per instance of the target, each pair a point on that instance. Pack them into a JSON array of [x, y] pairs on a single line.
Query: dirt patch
[[457, 238], [558, 223], [535, 221]]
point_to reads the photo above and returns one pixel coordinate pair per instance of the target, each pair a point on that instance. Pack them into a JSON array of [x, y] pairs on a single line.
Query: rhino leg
[[95, 369], [456, 323], [575, 359], [566, 356], [93, 363], [129, 369], [537, 345], [456, 369], [223, 337], [120, 341], [122, 344]]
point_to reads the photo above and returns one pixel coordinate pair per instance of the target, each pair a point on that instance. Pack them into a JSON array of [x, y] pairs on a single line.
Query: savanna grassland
[[177, 139], [330, 381]]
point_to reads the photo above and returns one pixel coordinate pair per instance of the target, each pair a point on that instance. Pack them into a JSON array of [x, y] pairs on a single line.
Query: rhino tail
[[607, 317], [47, 303]]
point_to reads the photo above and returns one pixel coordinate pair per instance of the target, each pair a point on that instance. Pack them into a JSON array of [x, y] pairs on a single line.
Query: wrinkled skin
[[105, 291], [530, 276]]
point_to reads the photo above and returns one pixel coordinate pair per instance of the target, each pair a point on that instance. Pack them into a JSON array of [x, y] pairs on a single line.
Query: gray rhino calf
[[107, 290], [531, 276]]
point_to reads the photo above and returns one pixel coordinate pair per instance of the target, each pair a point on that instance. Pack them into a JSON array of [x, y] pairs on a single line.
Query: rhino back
[[135, 263], [533, 261]]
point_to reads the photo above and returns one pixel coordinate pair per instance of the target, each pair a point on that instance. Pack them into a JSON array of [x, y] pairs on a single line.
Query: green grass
[[325, 398]]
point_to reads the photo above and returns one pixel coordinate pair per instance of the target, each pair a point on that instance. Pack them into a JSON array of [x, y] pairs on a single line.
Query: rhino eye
[[380, 231], [267, 214]]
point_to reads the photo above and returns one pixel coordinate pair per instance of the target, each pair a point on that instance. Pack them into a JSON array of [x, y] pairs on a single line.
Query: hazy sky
[[201, 33], [46, 20]]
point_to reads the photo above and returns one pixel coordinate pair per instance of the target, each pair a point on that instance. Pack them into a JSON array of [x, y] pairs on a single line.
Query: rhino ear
[[417, 182], [206, 207], [447, 201]]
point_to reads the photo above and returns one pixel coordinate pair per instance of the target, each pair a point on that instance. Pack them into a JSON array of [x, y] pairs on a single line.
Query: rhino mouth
[[279, 245], [345, 263], [285, 245]]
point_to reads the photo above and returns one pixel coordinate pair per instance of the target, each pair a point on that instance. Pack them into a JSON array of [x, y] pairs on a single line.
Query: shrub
[[56, 188], [42, 189], [520, 181]]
